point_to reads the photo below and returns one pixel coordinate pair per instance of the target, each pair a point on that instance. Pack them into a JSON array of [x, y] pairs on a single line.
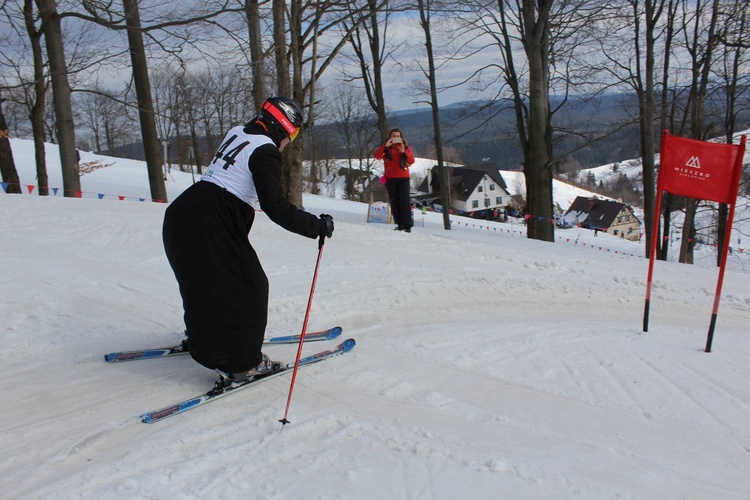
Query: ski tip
[[348, 345], [108, 357], [335, 332]]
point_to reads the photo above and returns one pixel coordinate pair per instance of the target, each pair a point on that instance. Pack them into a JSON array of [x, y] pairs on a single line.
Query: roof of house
[[599, 213], [464, 180]]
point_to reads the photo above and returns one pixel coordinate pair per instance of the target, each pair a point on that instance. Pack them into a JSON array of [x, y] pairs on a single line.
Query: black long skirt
[[222, 283]]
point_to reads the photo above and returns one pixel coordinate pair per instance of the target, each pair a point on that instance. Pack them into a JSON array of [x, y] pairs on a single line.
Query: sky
[[487, 365]]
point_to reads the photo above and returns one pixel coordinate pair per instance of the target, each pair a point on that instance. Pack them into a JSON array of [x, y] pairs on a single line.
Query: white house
[[472, 189]]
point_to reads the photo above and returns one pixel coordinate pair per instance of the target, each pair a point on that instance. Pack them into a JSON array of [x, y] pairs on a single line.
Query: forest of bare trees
[[102, 76]]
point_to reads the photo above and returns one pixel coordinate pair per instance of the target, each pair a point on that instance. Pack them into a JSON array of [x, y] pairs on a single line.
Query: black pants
[[398, 195], [222, 283]]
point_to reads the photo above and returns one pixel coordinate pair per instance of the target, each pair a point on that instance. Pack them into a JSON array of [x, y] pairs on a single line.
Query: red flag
[[702, 170], [697, 169]]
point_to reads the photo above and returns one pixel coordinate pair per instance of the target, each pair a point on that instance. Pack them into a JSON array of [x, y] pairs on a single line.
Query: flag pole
[[727, 241], [655, 235]]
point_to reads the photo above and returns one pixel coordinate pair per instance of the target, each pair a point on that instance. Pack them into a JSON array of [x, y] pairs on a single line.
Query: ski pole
[[284, 420]]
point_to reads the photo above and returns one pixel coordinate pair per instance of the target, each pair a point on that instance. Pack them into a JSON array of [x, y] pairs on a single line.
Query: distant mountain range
[[604, 130], [490, 134]]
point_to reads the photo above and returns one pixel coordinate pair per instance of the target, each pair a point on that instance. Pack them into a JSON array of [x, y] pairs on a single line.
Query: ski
[[163, 352], [218, 391], [322, 335]]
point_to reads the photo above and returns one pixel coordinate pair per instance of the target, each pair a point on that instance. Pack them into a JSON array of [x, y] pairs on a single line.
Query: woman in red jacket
[[397, 158]]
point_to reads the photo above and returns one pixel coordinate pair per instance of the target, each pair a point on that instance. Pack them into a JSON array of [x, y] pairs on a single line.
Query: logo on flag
[[693, 162]]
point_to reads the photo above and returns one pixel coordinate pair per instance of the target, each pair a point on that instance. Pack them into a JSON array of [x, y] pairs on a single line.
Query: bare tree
[[149, 133], [187, 15], [358, 136], [61, 93], [535, 37], [430, 73], [104, 113], [699, 29], [645, 89], [165, 101], [257, 56], [629, 35], [7, 165], [301, 66], [537, 45], [222, 100], [664, 118], [37, 103], [190, 91], [369, 41], [733, 35]]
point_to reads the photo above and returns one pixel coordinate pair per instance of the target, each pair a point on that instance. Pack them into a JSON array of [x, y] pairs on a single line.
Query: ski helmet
[[284, 113]]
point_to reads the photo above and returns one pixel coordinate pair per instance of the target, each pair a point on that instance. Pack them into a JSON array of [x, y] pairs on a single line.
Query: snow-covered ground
[[487, 365]]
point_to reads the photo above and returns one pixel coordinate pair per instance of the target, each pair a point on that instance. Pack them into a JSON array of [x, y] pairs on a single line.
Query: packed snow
[[487, 365]]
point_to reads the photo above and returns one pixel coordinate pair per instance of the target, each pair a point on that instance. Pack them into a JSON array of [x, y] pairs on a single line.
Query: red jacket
[[393, 168]]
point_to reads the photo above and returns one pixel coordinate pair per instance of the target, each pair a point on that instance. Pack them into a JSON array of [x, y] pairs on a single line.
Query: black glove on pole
[[326, 229]]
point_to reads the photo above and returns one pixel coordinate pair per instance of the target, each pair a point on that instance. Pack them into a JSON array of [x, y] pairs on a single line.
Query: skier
[[222, 283]]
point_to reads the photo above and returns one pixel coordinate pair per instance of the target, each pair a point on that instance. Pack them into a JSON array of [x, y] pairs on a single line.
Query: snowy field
[[487, 365]]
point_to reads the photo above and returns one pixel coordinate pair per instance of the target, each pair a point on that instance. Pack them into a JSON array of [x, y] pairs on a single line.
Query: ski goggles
[[282, 119]]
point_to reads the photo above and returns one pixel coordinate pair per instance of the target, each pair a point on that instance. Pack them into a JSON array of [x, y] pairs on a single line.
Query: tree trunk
[[424, 16], [255, 35], [662, 249], [688, 232], [377, 71], [662, 246], [647, 105], [697, 118], [283, 81], [373, 83], [36, 113], [7, 165], [284, 88], [538, 167], [721, 231], [61, 96], [149, 134], [733, 57]]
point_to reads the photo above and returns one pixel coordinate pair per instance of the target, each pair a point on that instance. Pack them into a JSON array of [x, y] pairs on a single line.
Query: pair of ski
[[163, 352], [219, 390]]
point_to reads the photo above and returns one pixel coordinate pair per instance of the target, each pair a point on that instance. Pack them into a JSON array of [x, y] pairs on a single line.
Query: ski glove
[[326, 226]]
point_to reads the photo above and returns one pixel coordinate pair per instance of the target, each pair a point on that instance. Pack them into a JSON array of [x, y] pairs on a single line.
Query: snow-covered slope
[[487, 366]]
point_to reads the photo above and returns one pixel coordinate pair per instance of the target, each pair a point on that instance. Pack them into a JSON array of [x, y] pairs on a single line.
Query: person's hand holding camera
[[394, 140]]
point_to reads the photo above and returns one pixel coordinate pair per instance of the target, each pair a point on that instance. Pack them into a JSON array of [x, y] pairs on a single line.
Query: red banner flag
[[702, 170], [697, 169]]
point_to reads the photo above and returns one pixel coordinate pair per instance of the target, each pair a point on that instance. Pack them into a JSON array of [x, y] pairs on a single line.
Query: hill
[[480, 131], [476, 131]]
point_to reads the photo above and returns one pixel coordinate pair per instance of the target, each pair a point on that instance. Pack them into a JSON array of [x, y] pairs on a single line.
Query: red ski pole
[[284, 420]]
